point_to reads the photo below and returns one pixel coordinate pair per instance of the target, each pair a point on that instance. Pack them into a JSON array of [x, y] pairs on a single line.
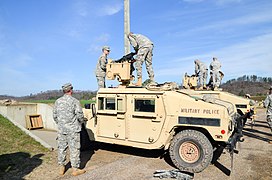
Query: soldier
[[101, 67], [215, 69], [268, 104], [143, 47], [201, 72], [68, 116]]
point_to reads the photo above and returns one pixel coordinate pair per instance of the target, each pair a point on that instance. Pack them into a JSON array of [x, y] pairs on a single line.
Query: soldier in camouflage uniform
[[68, 116], [268, 104], [201, 71], [143, 47], [215, 70], [101, 67]]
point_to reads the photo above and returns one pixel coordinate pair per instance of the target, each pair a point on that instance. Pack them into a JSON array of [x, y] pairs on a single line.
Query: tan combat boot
[[77, 171], [200, 88], [139, 82], [269, 141], [215, 88], [62, 170]]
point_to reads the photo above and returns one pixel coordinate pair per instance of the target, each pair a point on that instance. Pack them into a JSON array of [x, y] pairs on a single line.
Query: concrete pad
[[46, 135]]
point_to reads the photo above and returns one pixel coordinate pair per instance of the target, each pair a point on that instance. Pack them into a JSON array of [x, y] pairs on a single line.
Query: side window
[[120, 105], [110, 103], [100, 103], [144, 105]]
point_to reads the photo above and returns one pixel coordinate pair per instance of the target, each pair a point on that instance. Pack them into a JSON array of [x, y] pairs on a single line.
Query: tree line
[[248, 84], [53, 95], [251, 78]]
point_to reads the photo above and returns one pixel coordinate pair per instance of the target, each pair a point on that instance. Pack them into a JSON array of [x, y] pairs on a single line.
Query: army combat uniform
[[202, 72], [143, 47], [268, 104], [68, 115], [101, 71], [215, 70]]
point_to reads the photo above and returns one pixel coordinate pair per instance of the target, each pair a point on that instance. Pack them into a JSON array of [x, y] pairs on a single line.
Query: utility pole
[[126, 26]]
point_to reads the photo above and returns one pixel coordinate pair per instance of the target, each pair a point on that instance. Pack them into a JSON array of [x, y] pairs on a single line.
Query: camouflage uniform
[[68, 115], [202, 72], [268, 104], [101, 70], [144, 47], [215, 68]]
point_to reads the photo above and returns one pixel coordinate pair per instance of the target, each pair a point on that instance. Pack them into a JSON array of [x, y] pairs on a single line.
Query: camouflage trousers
[[101, 81], [216, 78], [269, 121], [203, 77], [71, 140], [145, 54]]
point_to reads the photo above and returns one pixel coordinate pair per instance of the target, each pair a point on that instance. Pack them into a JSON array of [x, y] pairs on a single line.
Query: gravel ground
[[118, 162]]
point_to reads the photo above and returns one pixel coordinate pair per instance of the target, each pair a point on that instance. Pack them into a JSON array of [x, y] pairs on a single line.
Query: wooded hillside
[[248, 84]]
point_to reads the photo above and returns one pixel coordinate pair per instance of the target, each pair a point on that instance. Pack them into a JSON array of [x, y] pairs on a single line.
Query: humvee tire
[[191, 151]]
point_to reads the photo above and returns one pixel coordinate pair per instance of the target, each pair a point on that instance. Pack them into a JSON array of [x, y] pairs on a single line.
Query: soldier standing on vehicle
[[68, 116], [101, 67], [268, 104], [143, 47], [215, 67], [201, 72]]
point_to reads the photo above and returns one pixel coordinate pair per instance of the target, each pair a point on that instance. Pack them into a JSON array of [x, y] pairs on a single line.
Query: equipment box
[[34, 121]]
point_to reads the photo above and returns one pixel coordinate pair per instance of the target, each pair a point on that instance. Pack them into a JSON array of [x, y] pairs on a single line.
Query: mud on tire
[[191, 151]]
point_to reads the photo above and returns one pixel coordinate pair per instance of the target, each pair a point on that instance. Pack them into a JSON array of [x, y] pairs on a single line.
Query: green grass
[[42, 101], [19, 153], [14, 139], [258, 98]]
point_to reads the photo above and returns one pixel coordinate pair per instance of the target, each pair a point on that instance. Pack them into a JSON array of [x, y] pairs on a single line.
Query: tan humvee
[[150, 118], [245, 107]]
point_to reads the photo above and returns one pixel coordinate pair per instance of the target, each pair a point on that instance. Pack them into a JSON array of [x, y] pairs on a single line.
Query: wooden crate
[[34, 121]]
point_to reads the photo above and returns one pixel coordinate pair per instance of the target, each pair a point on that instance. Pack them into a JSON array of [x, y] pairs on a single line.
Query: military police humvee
[[158, 118], [244, 106]]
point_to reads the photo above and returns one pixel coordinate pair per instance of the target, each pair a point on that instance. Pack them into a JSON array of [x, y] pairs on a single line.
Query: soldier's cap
[[106, 48], [270, 88], [67, 87]]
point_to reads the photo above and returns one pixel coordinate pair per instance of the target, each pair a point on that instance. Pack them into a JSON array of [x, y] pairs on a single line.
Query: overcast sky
[[46, 43]]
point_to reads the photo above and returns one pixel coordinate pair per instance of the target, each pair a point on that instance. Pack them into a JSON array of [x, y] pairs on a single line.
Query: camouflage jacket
[[101, 66], [200, 67], [215, 65], [268, 104], [67, 114], [139, 41]]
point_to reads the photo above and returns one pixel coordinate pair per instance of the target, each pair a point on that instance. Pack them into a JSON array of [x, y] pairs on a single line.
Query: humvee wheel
[[191, 151]]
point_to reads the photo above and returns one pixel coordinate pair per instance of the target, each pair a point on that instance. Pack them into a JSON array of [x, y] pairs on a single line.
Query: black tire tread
[[202, 140]]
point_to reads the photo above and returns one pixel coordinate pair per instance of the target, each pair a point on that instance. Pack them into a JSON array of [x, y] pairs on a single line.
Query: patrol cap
[[247, 95], [106, 48], [67, 87]]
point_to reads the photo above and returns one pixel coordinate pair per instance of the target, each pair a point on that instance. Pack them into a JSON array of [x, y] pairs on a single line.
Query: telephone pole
[[126, 26]]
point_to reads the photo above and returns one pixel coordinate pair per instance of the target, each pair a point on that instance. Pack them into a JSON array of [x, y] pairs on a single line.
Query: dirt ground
[[104, 161]]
